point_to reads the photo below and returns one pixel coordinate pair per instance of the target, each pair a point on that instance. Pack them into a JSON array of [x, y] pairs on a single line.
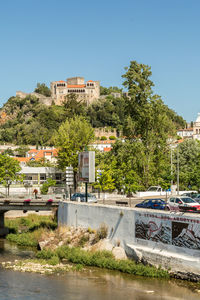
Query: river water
[[91, 284]]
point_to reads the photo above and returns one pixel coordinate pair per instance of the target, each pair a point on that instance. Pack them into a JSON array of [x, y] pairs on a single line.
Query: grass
[[103, 259], [27, 231]]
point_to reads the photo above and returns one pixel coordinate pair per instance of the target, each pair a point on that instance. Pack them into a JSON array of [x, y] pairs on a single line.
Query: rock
[[104, 244], [119, 253]]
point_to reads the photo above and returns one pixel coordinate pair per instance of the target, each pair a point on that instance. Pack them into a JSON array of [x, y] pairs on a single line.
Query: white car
[[182, 203]]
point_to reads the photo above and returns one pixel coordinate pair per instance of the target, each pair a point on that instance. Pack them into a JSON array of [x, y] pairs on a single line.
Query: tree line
[[147, 125]]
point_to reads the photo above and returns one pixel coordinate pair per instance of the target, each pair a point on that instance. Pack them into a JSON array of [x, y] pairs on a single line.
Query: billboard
[[86, 166]]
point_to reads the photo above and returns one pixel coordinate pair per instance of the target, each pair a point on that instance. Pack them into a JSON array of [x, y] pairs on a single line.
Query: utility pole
[[177, 169], [171, 167]]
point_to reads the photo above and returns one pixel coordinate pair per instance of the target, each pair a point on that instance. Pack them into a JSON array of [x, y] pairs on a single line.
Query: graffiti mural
[[156, 230], [179, 231], [186, 235]]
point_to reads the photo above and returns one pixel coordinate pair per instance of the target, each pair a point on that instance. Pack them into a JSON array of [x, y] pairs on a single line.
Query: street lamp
[[177, 170], [8, 183]]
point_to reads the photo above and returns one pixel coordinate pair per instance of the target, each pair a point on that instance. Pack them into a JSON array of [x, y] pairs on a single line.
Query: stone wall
[[158, 238]]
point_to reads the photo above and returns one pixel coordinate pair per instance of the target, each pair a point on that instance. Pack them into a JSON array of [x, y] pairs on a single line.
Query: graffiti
[[168, 230], [153, 230], [186, 235]]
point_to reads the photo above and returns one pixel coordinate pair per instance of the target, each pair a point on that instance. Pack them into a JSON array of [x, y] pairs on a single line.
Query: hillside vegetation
[[27, 121]]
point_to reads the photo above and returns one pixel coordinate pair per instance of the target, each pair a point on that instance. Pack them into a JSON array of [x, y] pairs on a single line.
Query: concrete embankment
[[155, 237]]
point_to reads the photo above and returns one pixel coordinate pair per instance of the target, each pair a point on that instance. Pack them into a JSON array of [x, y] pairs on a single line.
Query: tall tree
[[72, 137], [9, 169]]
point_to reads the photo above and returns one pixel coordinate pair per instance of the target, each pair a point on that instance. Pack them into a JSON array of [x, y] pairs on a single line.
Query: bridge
[[24, 205]]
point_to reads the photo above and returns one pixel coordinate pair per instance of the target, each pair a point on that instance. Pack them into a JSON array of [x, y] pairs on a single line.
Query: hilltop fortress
[[88, 91]]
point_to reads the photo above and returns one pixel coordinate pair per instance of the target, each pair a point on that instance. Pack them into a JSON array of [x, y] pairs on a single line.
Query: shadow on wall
[[114, 230]]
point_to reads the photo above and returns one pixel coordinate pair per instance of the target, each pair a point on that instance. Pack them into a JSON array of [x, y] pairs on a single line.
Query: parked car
[[82, 197], [190, 194], [197, 198], [152, 204], [182, 203]]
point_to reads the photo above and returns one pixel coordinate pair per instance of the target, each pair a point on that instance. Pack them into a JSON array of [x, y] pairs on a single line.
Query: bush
[[112, 137], [46, 185], [101, 233], [103, 138], [27, 231], [83, 240], [105, 259]]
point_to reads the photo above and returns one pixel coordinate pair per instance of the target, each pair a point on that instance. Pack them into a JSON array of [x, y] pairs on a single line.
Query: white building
[[185, 133], [196, 128]]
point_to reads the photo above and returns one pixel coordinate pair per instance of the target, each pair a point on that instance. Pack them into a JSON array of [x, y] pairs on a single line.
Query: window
[[42, 176], [178, 201]]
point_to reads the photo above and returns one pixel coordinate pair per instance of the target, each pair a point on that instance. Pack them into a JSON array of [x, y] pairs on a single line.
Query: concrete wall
[[158, 238]]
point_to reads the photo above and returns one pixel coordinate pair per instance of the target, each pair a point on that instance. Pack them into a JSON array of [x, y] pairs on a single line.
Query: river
[[91, 284]]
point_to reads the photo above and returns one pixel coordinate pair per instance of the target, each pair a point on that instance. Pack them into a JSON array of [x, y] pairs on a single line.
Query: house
[[196, 128], [193, 132], [38, 175], [104, 146], [185, 133], [47, 155]]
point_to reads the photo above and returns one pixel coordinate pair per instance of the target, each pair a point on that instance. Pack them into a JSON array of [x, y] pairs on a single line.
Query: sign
[[69, 176], [86, 166]]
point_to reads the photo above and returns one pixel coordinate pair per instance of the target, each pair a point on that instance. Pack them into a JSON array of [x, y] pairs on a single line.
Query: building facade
[[88, 91], [196, 128]]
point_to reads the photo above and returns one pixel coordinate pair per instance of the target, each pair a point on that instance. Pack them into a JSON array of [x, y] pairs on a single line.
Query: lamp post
[[8, 183], [177, 170], [171, 167]]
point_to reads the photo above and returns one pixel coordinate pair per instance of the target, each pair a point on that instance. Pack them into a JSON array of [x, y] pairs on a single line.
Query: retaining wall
[[160, 238]]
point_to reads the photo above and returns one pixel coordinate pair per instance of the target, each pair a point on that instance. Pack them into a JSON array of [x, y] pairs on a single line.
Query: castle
[[87, 91]]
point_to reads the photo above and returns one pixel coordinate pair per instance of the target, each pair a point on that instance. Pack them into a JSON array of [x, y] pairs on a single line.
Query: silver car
[[82, 197]]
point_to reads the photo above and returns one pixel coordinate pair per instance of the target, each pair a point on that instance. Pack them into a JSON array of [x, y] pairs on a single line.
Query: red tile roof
[[42, 153], [107, 149], [22, 159]]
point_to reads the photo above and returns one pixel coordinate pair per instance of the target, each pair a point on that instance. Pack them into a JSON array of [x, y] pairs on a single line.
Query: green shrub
[[45, 254], [112, 137], [103, 138], [54, 260], [26, 231], [23, 239], [105, 259], [83, 240], [46, 185], [101, 233]]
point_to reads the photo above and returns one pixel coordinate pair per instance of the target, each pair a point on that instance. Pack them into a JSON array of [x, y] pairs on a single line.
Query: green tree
[[9, 169], [74, 106], [107, 91], [71, 138], [105, 181], [43, 89], [45, 187], [22, 150], [188, 154]]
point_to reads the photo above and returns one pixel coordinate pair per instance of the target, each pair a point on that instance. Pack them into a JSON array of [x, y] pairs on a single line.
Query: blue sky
[[45, 40]]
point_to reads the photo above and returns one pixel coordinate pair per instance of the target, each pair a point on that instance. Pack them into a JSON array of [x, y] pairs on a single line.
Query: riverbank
[[64, 248]]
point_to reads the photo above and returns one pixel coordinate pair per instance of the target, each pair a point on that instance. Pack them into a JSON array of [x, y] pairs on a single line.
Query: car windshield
[[188, 200], [83, 195], [153, 189]]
